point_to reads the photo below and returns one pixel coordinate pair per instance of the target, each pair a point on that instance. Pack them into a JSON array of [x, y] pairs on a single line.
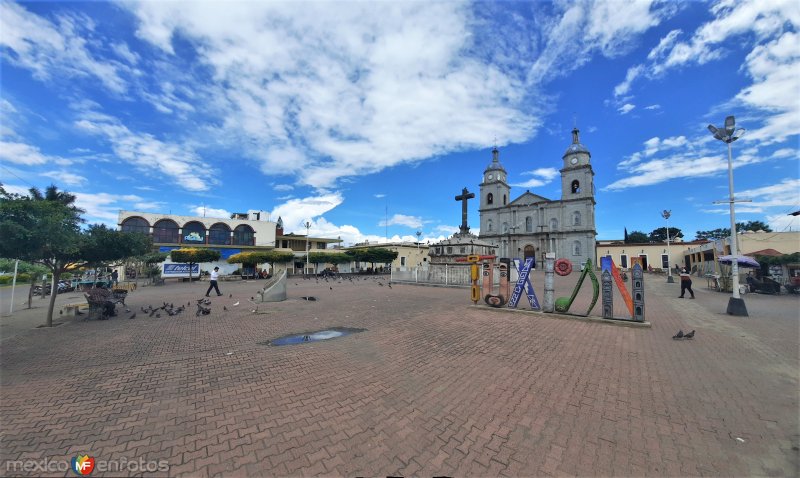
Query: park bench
[[74, 308], [97, 308]]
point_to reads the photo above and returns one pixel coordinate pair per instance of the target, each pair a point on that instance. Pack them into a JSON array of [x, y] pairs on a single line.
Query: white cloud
[[54, 51], [283, 187], [626, 108], [652, 107], [623, 88], [542, 176], [21, 153], [149, 155], [402, 220], [205, 211], [391, 63], [103, 207], [149, 206], [66, 177], [296, 211]]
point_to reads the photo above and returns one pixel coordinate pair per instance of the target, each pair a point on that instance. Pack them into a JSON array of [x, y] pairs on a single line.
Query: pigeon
[[252, 298], [331, 288], [678, 336], [390, 285], [236, 303], [230, 296], [127, 309], [158, 316], [224, 308], [689, 335], [133, 316], [60, 312]]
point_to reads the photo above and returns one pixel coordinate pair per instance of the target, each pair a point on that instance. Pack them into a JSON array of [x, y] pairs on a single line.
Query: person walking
[[686, 283], [115, 277], [213, 285]]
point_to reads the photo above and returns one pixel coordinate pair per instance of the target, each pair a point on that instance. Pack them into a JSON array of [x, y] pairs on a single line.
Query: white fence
[[442, 274]]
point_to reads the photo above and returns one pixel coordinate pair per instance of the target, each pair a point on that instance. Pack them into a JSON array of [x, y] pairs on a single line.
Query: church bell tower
[[577, 176]]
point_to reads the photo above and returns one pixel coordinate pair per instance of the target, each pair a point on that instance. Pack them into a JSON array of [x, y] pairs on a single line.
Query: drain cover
[[312, 336]]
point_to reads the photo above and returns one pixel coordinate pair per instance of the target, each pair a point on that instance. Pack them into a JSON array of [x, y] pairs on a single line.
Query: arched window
[[219, 233], [136, 224], [504, 199], [489, 225], [576, 187], [576, 248], [166, 231], [489, 198], [576, 218], [554, 224], [528, 224], [243, 235], [194, 233], [505, 227]]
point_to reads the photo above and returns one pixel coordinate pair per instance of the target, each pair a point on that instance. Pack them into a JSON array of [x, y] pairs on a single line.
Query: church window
[[489, 198], [576, 248], [463, 250], [504, 199], [576, 186], [576, 218], [489, 225], [449, 250], [528, 224], [554, 224], [505, 227]]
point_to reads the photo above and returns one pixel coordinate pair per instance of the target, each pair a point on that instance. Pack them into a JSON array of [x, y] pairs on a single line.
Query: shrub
[[6, 279]]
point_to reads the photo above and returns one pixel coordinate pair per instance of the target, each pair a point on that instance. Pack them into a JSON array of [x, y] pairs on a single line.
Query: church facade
[[531, 225]]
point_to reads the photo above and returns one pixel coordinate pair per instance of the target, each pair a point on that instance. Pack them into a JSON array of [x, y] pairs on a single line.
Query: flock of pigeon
[[680, 335]]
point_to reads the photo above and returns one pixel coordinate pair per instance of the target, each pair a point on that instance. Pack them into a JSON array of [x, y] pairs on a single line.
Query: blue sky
[[368, 118]]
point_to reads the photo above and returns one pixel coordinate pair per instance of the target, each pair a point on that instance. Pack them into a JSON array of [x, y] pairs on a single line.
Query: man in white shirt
[[213, 285]]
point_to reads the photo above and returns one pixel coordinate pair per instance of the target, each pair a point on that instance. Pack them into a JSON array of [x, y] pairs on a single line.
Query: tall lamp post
[[666, 214], [728, 134], [419, 233], [307, 226]]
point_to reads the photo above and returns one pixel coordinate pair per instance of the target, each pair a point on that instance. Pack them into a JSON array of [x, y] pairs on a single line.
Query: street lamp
[[419, 233], [728, 134], [665, 214], [307, 226]]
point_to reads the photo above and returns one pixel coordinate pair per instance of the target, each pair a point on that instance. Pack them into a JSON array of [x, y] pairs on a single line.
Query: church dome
[[576, 146], [495, 164]]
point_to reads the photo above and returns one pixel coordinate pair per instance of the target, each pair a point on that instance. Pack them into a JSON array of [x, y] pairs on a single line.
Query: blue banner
[[176, 269]]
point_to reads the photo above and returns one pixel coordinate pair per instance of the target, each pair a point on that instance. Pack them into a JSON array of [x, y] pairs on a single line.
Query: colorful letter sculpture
[[638, 293], [608, 294], [607, 264], [524, 282], [501, 298], [564, 303]]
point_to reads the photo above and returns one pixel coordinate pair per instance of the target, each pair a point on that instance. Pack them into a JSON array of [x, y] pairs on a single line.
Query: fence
[[455, 275]]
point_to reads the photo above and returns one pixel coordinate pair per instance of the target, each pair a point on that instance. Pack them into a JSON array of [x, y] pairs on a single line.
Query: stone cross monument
[[464, 197]]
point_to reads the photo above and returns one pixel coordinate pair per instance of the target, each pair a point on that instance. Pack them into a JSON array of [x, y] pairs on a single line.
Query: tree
[[637, 237], [660, 234], [722, 233], [194, 255], [45, 229], [253, 258], [372, 255]]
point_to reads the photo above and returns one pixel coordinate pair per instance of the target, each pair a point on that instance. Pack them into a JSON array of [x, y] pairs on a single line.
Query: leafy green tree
[[372, 255], [254, 258], [722, 233], [194, 255], [660, 234], [45, 229], [637, 237]]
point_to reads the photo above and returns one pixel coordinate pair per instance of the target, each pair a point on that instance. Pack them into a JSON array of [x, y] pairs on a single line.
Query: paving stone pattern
[[435, 386]]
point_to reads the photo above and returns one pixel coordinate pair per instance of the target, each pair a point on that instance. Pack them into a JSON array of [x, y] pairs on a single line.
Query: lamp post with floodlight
[[728, 134], [665, 214]]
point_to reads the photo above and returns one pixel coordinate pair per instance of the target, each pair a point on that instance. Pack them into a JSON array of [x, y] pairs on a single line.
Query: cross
[[464, 197]]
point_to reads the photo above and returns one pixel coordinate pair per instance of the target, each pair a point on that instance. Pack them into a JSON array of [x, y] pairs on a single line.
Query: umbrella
[[743, 261]]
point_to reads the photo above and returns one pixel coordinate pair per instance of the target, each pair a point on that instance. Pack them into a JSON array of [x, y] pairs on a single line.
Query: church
[[532, 225]]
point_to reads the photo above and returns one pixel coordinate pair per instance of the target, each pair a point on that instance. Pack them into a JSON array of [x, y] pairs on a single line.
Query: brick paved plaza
[[434, 386]]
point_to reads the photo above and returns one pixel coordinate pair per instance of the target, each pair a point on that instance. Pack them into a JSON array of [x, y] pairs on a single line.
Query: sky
[[368, 118]]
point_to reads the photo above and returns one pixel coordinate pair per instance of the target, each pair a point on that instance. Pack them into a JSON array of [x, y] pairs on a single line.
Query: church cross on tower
[[464, 197]]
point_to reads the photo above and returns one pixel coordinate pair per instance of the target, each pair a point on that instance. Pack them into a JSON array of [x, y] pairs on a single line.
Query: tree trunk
[[53, 294], [30, 293]]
